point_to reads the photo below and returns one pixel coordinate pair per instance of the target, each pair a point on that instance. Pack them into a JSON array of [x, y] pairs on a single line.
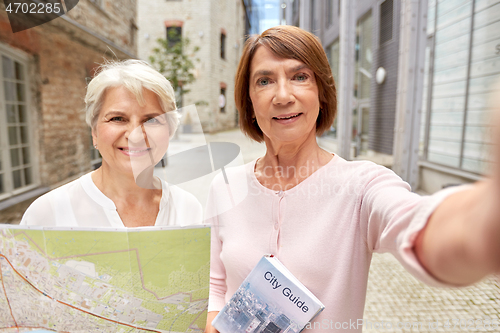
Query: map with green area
[[104, 280]]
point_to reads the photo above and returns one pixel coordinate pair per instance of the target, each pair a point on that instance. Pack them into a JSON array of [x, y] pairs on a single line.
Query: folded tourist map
[[271, 299], [153, 279]]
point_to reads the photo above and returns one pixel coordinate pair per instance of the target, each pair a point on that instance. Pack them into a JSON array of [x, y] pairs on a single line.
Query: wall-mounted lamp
[[380, 75]]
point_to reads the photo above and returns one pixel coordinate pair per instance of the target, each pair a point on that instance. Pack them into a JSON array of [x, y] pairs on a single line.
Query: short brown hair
[[287, 42]]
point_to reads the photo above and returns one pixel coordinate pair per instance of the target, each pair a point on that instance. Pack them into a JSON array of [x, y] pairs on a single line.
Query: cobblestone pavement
[[396, 297]]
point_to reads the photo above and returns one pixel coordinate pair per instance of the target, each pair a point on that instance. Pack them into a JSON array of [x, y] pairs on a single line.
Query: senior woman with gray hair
[[131, 110]]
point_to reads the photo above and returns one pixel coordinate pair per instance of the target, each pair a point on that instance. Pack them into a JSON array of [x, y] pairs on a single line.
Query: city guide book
[[149, 279], [271, 299]]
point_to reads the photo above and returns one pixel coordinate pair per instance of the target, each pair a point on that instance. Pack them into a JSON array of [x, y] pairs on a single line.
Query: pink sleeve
[[393, 217], [216, 300]]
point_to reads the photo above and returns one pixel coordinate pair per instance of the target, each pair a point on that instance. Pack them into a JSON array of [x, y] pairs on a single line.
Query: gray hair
[[133, 75]]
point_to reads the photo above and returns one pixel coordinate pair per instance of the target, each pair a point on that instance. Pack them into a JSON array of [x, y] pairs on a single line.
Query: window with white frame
[[16, 151]]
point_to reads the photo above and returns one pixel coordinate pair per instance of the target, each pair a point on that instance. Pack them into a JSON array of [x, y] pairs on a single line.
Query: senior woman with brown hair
[[321, 215], [131, 110]]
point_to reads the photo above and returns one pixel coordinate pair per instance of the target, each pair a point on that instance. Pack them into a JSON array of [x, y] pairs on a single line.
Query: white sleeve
[[394, 216]]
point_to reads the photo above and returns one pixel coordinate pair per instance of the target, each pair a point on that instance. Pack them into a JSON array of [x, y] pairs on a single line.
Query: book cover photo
[[270, 300]]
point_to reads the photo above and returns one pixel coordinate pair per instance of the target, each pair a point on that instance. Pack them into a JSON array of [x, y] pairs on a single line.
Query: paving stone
[[408, 300]]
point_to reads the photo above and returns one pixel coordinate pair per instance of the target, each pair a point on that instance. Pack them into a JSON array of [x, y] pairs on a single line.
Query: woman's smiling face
[[284, 96], [130, 136]]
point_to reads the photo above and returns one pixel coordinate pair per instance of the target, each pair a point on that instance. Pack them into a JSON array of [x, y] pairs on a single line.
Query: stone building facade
[[44, 140], [217, 27]]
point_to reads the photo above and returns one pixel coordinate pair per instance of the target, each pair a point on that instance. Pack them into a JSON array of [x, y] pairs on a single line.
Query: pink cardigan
[[324, 231]]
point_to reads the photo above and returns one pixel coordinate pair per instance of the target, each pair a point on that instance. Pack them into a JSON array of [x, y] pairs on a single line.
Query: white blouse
[[81, 204]]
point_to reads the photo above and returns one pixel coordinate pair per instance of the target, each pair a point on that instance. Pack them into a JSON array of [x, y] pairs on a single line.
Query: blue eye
[[116, 119], [263, 82], [301, 77]]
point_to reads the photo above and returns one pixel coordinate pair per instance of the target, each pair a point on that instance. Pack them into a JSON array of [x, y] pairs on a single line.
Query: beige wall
[[202, 24]]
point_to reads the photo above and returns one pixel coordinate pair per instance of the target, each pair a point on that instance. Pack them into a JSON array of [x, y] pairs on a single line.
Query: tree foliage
[[173, 57]]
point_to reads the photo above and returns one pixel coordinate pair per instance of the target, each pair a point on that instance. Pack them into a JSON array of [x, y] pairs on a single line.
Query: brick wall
[[114, 20], [64, 136], [61, 56]]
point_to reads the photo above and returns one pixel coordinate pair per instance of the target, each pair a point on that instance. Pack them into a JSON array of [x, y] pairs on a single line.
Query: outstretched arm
[[461, 242]]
